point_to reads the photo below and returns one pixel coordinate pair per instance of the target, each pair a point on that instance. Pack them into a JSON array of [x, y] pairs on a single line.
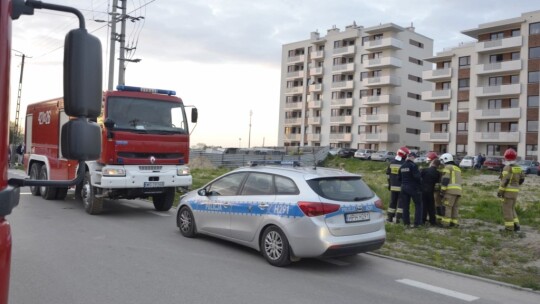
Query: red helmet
[[431, 156], [510, 154], [403, 152]]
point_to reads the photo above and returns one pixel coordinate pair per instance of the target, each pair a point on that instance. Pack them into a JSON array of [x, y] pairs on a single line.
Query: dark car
[[346, 152], [494, 163], [528, 166]]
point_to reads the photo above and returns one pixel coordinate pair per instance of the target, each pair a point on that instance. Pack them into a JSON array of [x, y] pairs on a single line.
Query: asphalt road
[[132, 254]]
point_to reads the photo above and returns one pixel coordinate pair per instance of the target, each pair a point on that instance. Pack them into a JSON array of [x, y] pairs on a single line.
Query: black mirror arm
[[27, 8], [19, 182]]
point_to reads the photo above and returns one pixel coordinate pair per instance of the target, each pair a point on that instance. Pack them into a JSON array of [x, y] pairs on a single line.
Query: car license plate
[[154, 184], [356, 217]]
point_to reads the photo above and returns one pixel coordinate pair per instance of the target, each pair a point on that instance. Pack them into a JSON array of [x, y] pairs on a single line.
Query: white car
[[363, 153], [386, 156], [287, 213], [467, 162]]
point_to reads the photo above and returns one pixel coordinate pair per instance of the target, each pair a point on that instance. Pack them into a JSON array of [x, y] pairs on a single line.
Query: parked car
[[494, 163], [287, 213], [363, 153], [334, 151], [383, 156], [528, 166], [346, 152], [467, 162]]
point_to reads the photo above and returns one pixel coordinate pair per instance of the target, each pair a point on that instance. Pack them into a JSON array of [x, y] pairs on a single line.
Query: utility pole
[[121, 61], [249, 137], [113, 43], [19, 94]]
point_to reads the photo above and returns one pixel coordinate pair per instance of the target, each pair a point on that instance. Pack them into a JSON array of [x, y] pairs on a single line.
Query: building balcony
[[295, 74], [496, 137], [437, 137], [293, 105], [343, 85], [499, 67], [316, 71], [343, 68], [317, 55], [340, 137], [314, 120], [435, 116], [381, 81], [437, 95], [379, 137], [491, 114], [502, 90], [293, 121], [341, 120], [296, 59], [379, 119], [295, 90], [315, 104], [386, 43], [348, 50], [292, 137], [369, 101], [437, 75], [385, 62], [499, 45], [315, 87], [344, 102], [313, 137]]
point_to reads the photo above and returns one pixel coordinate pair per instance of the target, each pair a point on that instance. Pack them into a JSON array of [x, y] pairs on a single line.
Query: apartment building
[[360, 88], [484, 96]]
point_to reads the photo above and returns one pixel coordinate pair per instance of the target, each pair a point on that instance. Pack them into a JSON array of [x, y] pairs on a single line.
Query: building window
[[496, 36], [363, 75], [377, 36], [445, 85], [414, 96], [416, 43], [531, 149], [534, 77], [413, 113], [363, 93], [464, 61], [461, 149], [516, 32], [364, 58], [534, 52], [532, 101], [415, 78], [514, 79], [493, 150], [494, 104], [446, 64], [463, 84], [495, 58], [534, 28], [412, 131], [462, 127], [493, 127], [495, 81], [365, 39], [514, 103], [513, 127], [532, 125], [416, 61], [515, 55]]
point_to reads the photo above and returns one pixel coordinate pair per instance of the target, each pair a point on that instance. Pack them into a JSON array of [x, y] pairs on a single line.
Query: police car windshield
[[345, 189], [146, 115]]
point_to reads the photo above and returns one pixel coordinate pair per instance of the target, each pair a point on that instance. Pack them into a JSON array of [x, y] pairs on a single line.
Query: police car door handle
[[225, 205], [263, 205]]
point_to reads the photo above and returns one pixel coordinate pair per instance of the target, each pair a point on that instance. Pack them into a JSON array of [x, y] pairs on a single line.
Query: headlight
[[113, 172], [183, 171]]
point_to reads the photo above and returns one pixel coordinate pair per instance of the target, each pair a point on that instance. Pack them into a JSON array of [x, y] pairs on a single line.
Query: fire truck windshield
[[146, 115]]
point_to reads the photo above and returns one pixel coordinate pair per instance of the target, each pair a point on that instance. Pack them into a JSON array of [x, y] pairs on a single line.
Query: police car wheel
[[34, 174], [186, 222], [275, 247]]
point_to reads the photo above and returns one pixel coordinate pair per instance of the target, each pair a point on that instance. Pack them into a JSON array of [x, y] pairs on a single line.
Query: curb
[[537, 292]]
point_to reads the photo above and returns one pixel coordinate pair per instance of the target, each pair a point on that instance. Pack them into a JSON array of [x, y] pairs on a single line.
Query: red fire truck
[[145, 149]]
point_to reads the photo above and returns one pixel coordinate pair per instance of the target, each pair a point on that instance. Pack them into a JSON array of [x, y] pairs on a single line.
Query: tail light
[[316, 209], [379, 204]]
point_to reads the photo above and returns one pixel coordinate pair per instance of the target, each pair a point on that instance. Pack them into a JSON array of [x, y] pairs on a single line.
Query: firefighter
[[511, 178], [450, 191], [394, 185], [430, 178], [409, 175]]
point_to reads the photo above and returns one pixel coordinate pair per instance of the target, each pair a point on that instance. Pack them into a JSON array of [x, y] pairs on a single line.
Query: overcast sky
[[224, 56]]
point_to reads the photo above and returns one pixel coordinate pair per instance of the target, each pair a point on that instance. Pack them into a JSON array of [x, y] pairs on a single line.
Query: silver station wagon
[[287, 213]]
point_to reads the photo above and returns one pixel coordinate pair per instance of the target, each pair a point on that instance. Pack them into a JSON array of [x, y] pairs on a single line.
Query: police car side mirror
[[194, 115], [82, 74], [202, 192]]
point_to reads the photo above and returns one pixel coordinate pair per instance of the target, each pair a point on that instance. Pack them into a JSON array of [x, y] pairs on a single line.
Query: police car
[[287, 212]]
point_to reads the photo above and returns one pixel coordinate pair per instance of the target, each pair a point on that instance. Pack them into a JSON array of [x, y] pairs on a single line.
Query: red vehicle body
[[145, 149]]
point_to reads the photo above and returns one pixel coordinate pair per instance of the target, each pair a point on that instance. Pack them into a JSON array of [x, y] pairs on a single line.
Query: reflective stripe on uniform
[[509, 224], [395, 188], [391, 210]]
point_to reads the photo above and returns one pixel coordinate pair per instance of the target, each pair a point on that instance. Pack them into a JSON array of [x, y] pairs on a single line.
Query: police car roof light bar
[[293, 163], [145, 90]]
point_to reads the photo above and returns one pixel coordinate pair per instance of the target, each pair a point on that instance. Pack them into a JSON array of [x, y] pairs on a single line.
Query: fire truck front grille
[[150, 168], [147, 155]]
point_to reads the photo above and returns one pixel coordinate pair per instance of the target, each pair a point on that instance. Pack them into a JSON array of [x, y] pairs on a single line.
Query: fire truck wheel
[[47, 193], [92, 204], [164, 201], [61, 193], [34, 174]]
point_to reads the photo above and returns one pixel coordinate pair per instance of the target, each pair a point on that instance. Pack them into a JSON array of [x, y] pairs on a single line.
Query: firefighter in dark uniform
[[430, 177], [450, 191], [394, 185], [511, 178], [409, 175]]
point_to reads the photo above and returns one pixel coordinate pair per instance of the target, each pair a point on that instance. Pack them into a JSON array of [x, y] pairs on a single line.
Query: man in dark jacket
[[394, 185], [430, 177], [409, 175]]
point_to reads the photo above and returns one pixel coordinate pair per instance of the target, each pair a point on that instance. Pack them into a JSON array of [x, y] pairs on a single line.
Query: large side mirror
[[82, 74], [81, 139], [194, 115]]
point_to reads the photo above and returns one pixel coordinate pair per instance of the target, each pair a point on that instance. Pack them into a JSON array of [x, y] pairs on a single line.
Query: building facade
[[358, 88], [484, 96]]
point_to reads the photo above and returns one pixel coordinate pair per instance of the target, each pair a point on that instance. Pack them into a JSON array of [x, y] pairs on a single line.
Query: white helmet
[[446, 158]]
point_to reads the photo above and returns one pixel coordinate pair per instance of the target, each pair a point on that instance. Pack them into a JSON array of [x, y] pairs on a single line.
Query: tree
[[14, 136]]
